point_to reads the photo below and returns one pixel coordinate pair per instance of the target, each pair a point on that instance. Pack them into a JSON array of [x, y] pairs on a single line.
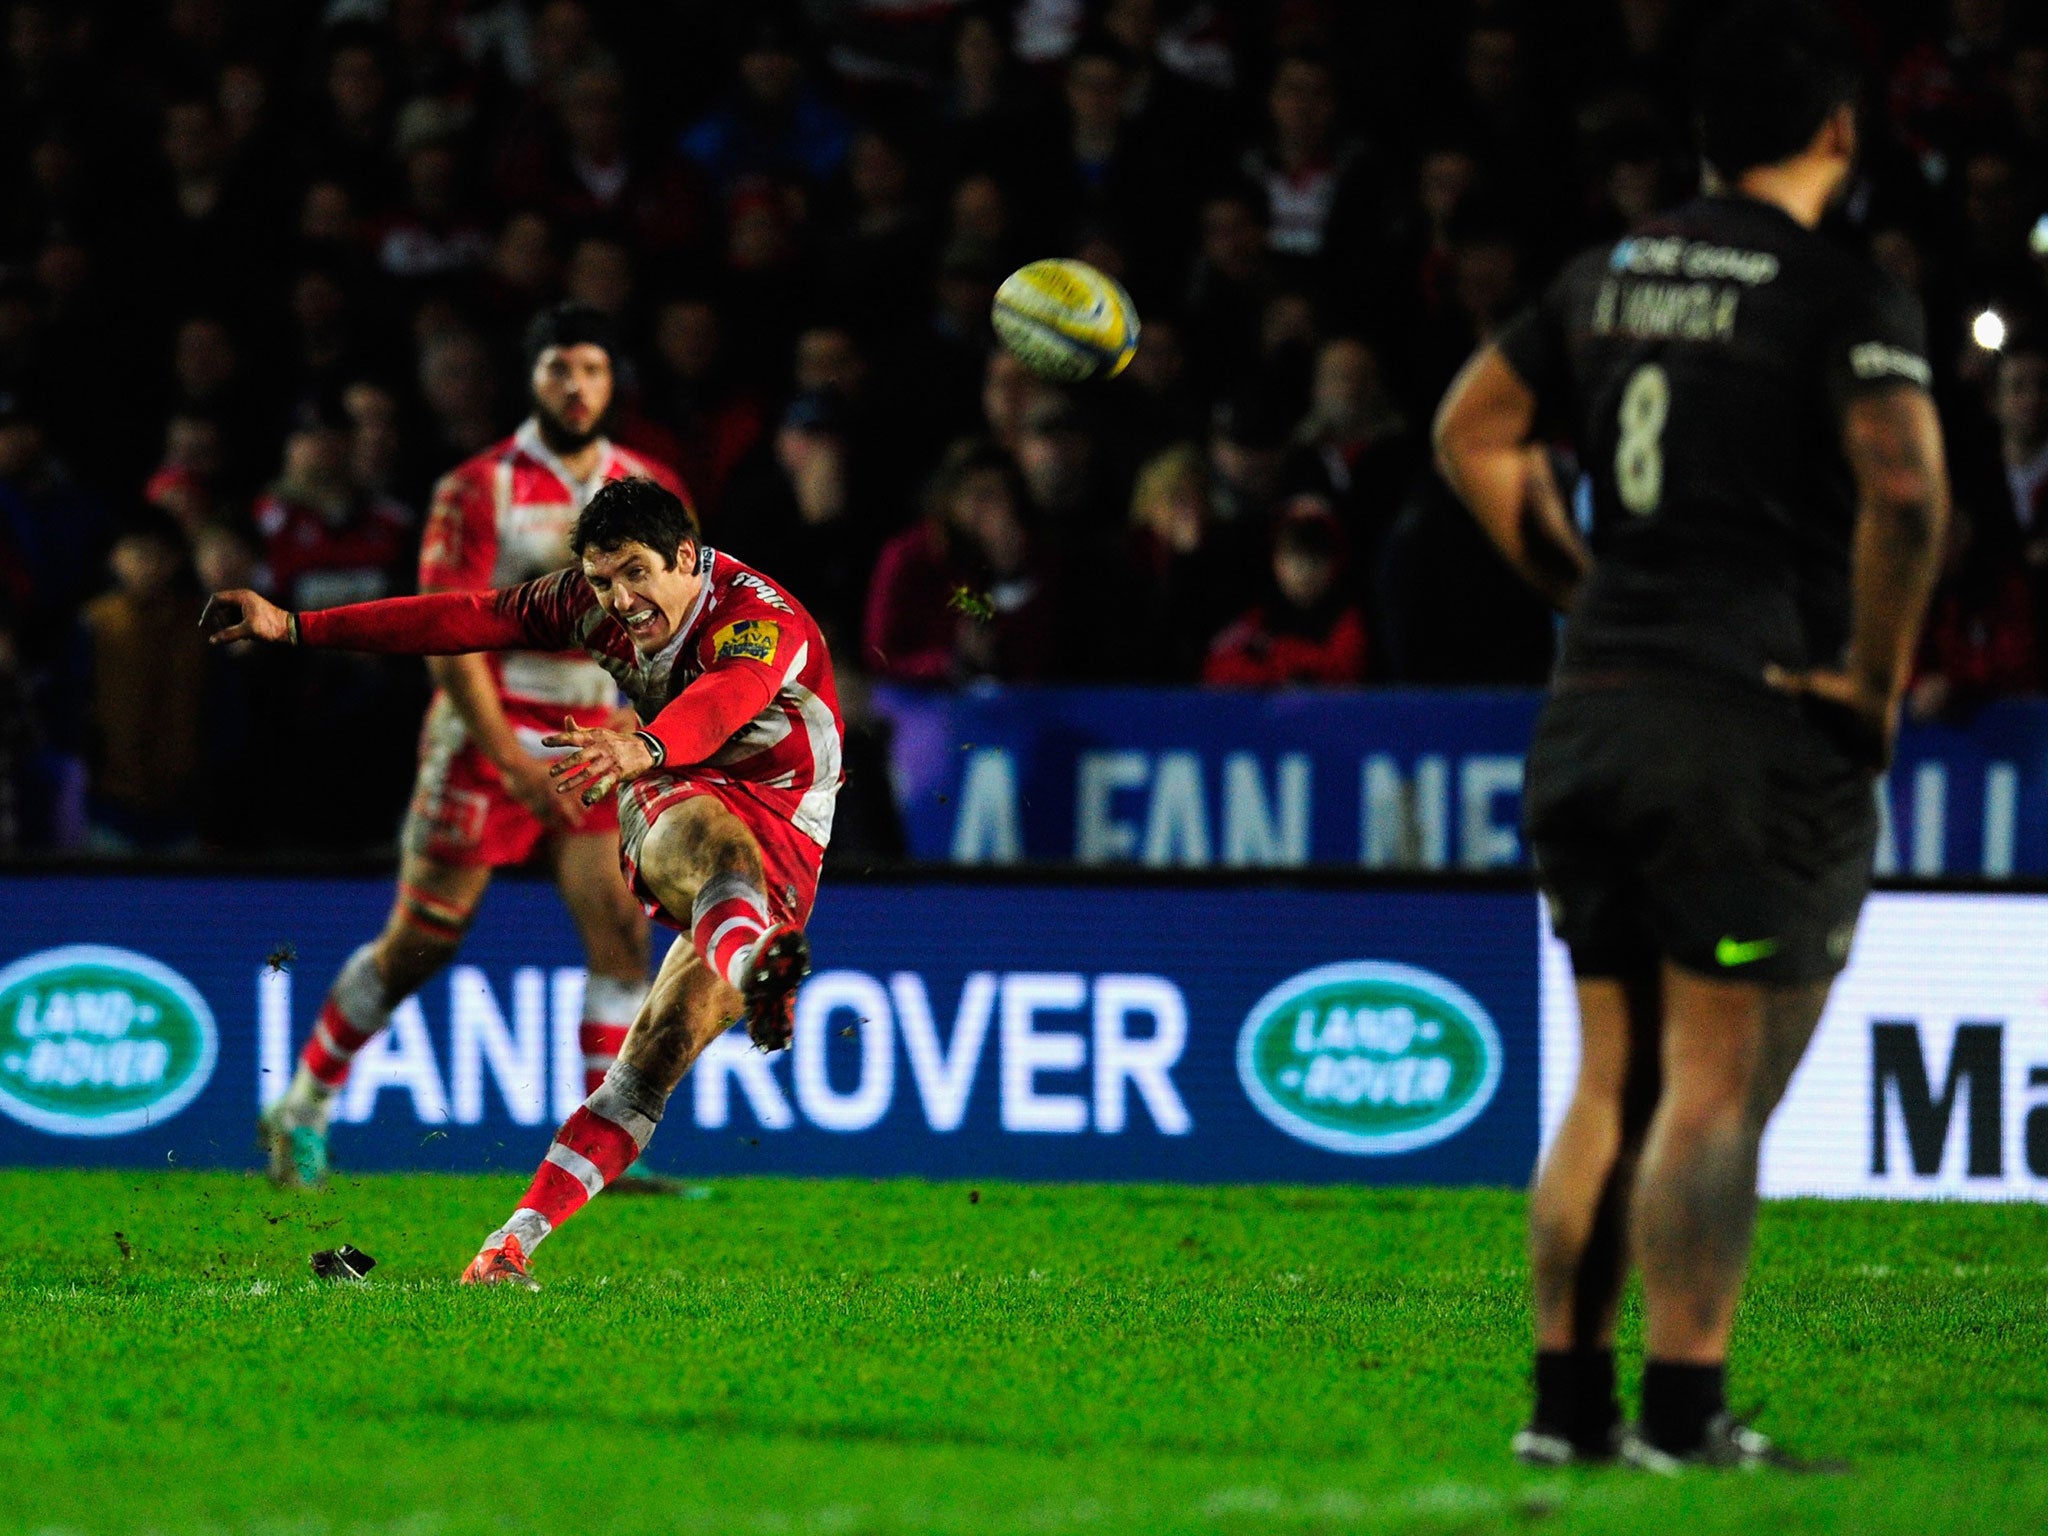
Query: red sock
[[609, 1008], [601, 1045], [351, 1016], [729, 915], [589, 1152]]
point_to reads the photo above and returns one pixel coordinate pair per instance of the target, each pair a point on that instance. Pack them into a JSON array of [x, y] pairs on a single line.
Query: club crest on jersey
[[747, 640]]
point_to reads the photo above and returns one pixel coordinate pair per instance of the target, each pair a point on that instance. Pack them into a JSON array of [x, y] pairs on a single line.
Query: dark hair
[[635, 511], [568, 325], [1768, 76]]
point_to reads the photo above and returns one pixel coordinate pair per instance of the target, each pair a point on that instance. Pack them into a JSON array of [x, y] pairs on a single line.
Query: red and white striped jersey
[[789, 754], [504, 517]]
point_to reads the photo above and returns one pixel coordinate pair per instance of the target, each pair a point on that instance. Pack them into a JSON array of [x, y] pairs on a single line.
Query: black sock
[[1575, 1395], [1678, 1400]]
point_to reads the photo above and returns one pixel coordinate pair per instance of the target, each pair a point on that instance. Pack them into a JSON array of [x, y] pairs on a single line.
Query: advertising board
[[1387, 778], [1928, 1075], [1018, 1030]]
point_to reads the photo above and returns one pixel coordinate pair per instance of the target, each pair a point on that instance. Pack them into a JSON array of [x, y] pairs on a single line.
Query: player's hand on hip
[[1871, 712], [530, 781], [239, 614], [602, 761]]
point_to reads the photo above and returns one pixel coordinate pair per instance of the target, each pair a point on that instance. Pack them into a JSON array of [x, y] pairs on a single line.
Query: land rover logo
[[1369, 1058], [97, 1041]]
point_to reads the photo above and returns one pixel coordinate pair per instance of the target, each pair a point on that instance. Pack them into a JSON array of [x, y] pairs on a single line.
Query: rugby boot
[[1540, 1445], [1728, 1445], [504, 1264], [781, 959], [297, 1153]]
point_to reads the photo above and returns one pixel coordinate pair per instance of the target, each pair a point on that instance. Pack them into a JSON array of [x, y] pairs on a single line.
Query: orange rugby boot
[[503, 1264]]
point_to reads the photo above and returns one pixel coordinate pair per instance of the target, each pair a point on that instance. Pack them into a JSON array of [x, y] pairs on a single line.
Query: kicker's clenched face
[[572, 389], [648, 595]]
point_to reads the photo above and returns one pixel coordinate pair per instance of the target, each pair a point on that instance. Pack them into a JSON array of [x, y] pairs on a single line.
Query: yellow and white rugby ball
[[1066, 320]]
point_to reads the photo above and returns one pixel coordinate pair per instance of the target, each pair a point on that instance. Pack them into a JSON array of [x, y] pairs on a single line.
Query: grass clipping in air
[[883, 1357]]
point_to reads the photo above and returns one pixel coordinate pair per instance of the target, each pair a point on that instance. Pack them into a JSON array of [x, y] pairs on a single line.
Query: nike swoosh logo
[[1733, 952]]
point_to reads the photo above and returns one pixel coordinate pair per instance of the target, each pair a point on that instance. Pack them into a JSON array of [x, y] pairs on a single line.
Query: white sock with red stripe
[[609, 1008], [594, 1146], [726, 921], [352, 1014]]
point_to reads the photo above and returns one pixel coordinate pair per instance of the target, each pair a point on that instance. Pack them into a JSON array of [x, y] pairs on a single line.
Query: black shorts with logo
[[1729, 831]]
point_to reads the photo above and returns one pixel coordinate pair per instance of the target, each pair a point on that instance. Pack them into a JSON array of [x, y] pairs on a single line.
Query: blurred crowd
[[264, 265]]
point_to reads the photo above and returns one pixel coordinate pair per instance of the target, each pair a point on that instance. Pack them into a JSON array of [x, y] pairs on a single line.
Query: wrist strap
[[654, 745], [291, 629]]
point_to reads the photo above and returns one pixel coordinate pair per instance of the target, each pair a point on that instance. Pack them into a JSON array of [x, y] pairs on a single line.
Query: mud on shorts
[[789, 859], [461, 813], [1728, 831]]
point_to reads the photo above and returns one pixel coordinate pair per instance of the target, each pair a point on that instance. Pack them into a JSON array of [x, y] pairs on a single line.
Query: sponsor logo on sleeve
[[1878, 360], [1369, 1058], [97, 1041], [747, 640]]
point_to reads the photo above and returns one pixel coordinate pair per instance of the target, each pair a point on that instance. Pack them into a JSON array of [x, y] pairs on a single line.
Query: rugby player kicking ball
[[725, 796]]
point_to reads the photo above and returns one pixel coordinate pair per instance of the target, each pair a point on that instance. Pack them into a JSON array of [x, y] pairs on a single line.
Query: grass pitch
[[884, 1357]]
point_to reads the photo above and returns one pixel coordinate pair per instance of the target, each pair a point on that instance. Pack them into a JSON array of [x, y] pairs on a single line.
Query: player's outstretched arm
[[439, 624], [1893, 442], [1484, 451]]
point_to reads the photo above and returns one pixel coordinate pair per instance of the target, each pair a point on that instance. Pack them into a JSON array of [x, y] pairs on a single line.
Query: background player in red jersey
[[483, 797], [726, 796]]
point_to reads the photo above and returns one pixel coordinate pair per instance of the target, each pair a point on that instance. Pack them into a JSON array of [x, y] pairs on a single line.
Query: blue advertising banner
[[951, 1029], [1380, 779]]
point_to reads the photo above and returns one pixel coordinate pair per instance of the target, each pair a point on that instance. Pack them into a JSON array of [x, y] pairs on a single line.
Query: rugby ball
[[1066, 321]]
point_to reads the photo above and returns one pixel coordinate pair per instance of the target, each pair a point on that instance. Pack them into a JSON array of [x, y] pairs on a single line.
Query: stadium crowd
[[264, 266]]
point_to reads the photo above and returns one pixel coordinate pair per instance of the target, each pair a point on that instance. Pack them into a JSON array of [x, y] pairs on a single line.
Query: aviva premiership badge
[[747, 640], [96, 1041], [1369, 1058]]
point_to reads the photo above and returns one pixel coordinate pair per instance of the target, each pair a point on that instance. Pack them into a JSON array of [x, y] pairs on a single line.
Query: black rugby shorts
[[1730, 832]]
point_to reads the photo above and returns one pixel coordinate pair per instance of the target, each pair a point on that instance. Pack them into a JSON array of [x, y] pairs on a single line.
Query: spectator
[[580, 169], [460, 392], [714, 421], [775, 125], [55, 529], [327, 540], [434, 234], [796, 513], [1980, 642], [347, 143], [1307, 630], [186, 484], [144, 664], [1229, 287], [962, 595], [1178, 581], [2020, 407], [1316, 180], [1354, 447]]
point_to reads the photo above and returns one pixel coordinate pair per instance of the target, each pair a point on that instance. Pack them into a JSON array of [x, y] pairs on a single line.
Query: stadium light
[[1988, 330]]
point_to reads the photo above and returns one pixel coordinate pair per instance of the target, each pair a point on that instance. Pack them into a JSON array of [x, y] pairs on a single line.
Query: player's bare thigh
[[429, 915], [690, 843], [613, 928], [689, 1006]]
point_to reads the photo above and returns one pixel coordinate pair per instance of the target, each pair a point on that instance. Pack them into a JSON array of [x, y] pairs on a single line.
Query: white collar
[[528, 440]]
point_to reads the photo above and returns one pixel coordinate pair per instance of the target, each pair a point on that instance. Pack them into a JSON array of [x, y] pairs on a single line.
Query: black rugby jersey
[[1702, 365]]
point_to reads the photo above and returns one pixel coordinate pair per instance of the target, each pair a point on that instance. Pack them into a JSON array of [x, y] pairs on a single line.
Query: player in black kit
[[1750, 404]]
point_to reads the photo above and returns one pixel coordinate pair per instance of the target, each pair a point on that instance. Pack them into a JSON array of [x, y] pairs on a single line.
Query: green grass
[[871, 1357]]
